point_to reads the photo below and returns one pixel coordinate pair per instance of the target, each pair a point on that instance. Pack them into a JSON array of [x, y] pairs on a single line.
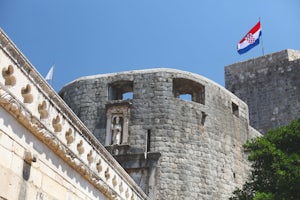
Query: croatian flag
[[250, 40]]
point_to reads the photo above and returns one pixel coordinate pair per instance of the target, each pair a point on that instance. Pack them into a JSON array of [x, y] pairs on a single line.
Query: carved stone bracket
[[26, 93], [118, 149], [7, 74], [42, 109]]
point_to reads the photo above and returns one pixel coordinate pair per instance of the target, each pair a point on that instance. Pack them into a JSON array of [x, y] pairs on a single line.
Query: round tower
[[177, 134]]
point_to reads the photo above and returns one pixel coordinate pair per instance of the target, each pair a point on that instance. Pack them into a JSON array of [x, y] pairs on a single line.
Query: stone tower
[[270, 85], [177, 134]]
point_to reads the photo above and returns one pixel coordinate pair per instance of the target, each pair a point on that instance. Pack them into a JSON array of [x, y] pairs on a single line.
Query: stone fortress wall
[[182, 149], [172, 147], [270, 85]]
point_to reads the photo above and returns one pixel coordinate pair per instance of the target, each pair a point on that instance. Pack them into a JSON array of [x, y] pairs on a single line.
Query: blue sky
[[96, 36]]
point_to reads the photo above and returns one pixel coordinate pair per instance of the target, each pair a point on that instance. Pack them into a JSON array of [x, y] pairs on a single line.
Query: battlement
[[286, 55], [270, 87], [87, 94]]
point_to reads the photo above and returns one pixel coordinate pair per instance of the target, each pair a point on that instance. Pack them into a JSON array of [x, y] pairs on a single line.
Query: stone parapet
[[34, 104], [270, 85], [286, 55]]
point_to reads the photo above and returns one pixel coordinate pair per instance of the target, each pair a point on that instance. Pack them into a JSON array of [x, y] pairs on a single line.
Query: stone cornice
[[287, 55], [67, 137]]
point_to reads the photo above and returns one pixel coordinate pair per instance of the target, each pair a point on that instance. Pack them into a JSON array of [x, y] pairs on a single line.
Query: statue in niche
[[116, 130]]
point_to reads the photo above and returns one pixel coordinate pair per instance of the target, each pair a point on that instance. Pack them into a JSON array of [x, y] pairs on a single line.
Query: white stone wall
[[63, 160], [48, 177]]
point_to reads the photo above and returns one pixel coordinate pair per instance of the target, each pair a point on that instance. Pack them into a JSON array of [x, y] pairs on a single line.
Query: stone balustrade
[[29, 98]]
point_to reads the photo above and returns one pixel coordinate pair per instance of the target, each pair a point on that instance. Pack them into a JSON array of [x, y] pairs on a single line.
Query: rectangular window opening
[[235, 109], [120, 90], [148, 140], [189, 90]]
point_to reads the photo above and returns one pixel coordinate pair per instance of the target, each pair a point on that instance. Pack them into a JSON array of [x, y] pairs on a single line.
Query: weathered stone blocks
[[200, 139], [270, 85]]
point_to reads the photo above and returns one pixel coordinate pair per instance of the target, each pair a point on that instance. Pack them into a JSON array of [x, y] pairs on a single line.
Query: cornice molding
[[9, 102]]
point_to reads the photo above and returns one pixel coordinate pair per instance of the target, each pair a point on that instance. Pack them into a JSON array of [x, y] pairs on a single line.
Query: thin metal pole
[[51, 83], [262, 43]]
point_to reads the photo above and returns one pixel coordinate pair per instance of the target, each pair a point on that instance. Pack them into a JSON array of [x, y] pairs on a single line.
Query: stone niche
[[117, 114], [140, 166]]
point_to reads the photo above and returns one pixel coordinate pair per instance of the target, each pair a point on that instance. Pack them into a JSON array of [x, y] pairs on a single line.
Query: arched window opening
[[120, 90], [188, 90]]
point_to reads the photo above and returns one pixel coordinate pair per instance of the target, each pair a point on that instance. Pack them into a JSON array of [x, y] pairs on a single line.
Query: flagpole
[[52, 76], [262, 43]]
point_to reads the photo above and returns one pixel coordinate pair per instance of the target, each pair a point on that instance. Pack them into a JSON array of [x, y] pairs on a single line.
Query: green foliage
[[275, 166], [263, 196]]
